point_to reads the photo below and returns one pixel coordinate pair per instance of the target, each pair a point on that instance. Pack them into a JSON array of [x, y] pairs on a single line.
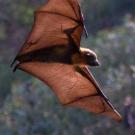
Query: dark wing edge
[[82, 19], [108, 110], [114, 113]]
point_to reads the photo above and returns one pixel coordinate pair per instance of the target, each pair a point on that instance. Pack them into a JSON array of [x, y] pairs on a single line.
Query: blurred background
[[28, 107]]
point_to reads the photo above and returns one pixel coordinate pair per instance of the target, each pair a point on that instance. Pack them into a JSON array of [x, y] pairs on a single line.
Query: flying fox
[[52, 53]]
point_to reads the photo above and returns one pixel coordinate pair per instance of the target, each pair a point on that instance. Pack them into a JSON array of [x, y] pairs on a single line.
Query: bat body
[[70, 54], [52, 53]]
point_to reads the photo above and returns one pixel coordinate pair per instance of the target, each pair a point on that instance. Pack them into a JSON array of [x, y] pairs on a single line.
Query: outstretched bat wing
[[49, 24], [98, 102], [74, 86]]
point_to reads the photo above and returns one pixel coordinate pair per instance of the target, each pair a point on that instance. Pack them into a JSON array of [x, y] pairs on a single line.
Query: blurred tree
[[104, 13]]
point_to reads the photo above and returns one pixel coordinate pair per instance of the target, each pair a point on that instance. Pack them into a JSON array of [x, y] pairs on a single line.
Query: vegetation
[[28, 107]]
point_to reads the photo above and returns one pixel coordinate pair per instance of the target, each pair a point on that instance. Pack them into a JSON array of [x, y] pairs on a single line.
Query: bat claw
[[11, 65], [16, 66]]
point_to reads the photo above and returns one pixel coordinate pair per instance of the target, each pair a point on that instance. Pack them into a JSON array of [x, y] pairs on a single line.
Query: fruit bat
[[52, 53]]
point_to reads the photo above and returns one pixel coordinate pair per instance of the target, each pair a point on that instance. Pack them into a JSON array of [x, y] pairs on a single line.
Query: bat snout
[[96, 63], [93, 61]]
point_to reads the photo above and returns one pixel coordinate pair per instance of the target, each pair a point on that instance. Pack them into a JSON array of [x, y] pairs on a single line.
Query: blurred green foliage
[[106, 13], [28, 107]]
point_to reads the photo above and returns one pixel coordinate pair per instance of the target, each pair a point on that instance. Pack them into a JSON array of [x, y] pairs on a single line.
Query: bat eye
[[91, 56], [88, 54]]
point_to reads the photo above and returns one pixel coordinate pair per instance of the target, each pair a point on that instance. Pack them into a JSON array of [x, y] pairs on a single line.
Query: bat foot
[[16, 66]]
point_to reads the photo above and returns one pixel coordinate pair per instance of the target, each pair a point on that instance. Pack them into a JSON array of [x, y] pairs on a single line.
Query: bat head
[[90, 57]]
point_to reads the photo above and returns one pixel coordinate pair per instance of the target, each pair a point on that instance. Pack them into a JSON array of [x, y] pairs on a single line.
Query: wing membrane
[[97, 103], [50, 21], [80, 89]]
